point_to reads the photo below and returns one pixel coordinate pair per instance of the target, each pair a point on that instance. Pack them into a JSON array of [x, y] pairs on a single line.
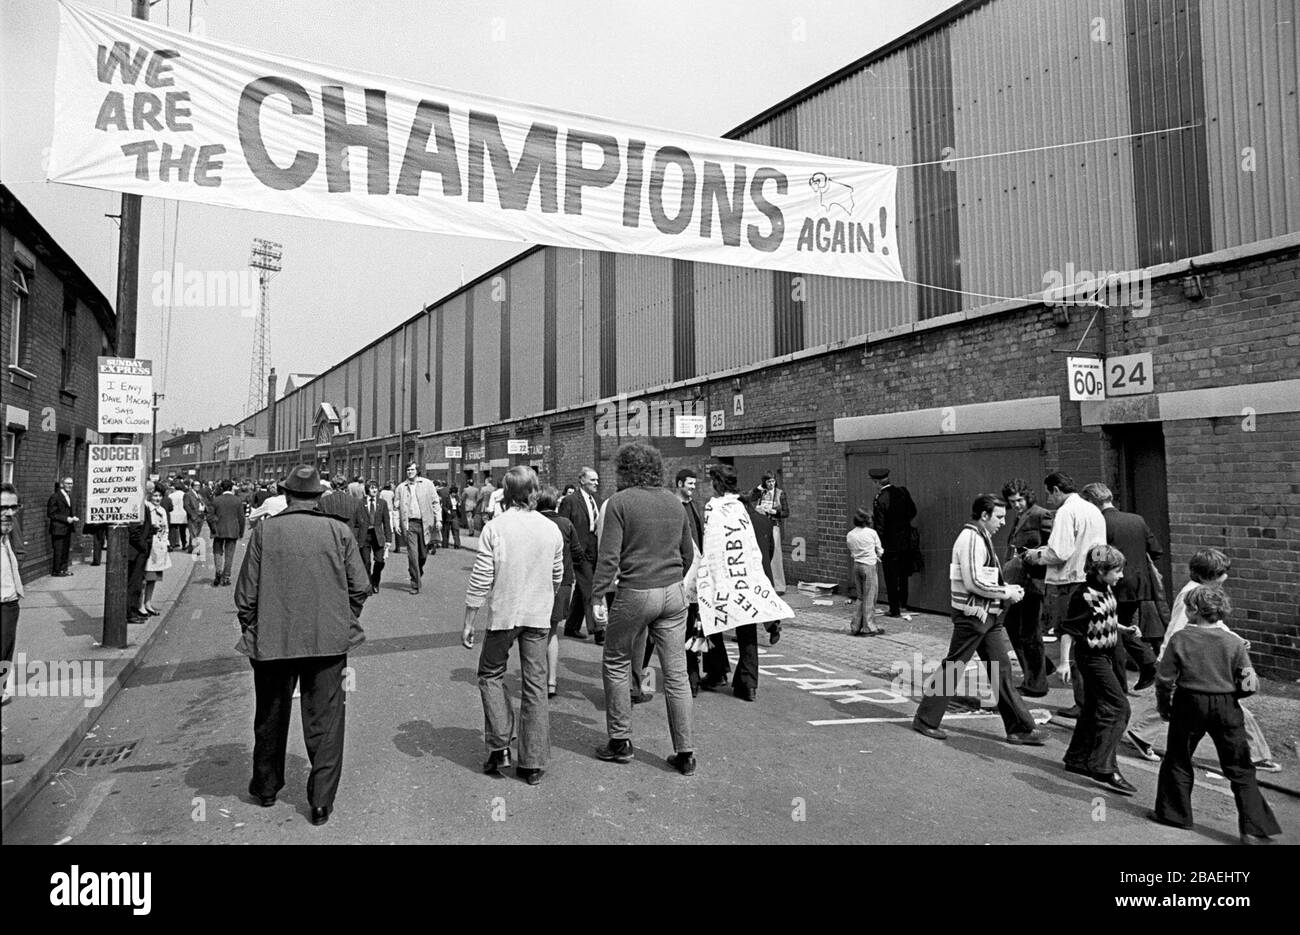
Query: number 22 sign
[[1130, 375]]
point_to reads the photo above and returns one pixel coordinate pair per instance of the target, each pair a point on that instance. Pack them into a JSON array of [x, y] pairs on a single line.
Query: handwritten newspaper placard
[[125, 395], [731, 586], [114, 483], [153, 111]]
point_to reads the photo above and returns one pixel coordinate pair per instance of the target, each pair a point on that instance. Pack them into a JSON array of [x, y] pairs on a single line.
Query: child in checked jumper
[[1092, 619], [1204, 669]]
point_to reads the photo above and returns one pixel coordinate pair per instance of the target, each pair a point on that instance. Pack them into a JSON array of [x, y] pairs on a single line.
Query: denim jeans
[[498, 711], [663, 611]]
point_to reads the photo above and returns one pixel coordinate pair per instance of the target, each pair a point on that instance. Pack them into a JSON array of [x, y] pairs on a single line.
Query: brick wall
[[1228, 488], [54, 411]]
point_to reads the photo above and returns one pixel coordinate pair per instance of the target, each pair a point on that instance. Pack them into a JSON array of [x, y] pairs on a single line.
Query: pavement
[[824, 755], [71, 677]]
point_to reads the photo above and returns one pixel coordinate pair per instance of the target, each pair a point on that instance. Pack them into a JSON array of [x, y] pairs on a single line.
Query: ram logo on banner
[[731, 587], [148, 110]]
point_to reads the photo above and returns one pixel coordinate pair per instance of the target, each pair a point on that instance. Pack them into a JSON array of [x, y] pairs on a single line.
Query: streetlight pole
[[153, 439]]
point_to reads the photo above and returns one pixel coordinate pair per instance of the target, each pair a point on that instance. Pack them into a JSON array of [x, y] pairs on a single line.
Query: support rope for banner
[[1039, 149], [1090, 303]]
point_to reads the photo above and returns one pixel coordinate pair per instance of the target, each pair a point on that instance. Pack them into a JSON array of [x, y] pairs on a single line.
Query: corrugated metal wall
[[1252, 53], [527, 292], [591, 323], [644, 300], [733, 316], [453, 362], [867, 117], [1029, 73], [487, 344], [1024, 73], [569, 368]]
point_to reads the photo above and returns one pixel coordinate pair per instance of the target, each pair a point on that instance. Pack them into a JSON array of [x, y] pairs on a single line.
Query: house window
[[63, 456], [69, 350], [166, 452], [21, 309], [10, 456]]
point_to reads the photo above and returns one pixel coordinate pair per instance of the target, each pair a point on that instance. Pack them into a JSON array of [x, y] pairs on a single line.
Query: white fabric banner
[[731, 586], [144, 109]]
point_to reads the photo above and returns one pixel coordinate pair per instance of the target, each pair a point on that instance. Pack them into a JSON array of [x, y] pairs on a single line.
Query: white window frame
[[20, 309], [10, 455]]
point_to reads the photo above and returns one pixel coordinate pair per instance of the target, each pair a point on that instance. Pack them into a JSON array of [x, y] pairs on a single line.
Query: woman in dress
[[159, 561]]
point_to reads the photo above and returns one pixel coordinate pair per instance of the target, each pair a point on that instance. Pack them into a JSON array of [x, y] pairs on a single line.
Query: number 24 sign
[[1130, 375]]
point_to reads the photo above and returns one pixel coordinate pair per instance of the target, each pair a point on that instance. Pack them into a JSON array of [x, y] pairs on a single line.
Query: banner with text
[[125, 395], [145, 109], [115, 483], [731, 587]]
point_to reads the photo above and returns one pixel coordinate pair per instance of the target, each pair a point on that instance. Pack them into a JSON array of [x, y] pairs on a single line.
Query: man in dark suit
[[892, 515], [342, 505], [59, 513], [1028, 530], [139, 542], [376, 534], [1129, 533], [580, 508], [226, 531]]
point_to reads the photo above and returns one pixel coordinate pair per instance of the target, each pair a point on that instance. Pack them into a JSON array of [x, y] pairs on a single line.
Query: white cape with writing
[[730, 583]]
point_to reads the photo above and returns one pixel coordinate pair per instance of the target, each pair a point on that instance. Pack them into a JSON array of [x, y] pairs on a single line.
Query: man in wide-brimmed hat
[[300, 593]]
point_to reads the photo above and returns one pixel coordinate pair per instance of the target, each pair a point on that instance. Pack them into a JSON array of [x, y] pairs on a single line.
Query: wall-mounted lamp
[[1193, 288], [1061, 316], [735, 384]]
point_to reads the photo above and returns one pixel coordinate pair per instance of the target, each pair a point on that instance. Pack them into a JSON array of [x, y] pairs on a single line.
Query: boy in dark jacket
[[1210, 667], [1092, 619]]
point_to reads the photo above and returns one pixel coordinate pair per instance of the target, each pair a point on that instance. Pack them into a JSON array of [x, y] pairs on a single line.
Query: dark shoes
[[616, 751], [575, 634], [932, 732], [1071, 712], [642, 697], [1146, 679], [774, 635], [744, 695], [1030, 694], [531, 776], [266, 801], [683, 762], [711, 684], [319, 815], [497, 760], [599, 637], [1033, 738], [1114, 781], [9, 759]]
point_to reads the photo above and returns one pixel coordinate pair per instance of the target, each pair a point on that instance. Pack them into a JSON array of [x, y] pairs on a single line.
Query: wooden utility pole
[[128, 275]]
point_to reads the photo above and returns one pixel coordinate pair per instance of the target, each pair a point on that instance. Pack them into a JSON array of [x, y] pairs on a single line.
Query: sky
[[701, 66]]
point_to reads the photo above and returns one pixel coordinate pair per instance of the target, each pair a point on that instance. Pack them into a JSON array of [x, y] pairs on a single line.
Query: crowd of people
[[635, 569]]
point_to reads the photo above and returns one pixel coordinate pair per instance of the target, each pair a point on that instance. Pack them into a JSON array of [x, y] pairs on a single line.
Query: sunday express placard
[[125, 395]]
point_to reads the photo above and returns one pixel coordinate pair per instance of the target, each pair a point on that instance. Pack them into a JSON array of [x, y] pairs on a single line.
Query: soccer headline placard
[[148, 110], [114, 483]]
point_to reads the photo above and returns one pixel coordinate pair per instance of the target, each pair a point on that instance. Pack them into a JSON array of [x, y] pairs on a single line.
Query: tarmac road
[[769, 772]]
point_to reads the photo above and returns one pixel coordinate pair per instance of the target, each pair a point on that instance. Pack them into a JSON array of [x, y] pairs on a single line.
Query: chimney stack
[[270, 411]]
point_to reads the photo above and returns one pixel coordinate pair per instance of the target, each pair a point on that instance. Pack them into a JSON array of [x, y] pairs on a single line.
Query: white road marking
[[894, 720], [197, 614]]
